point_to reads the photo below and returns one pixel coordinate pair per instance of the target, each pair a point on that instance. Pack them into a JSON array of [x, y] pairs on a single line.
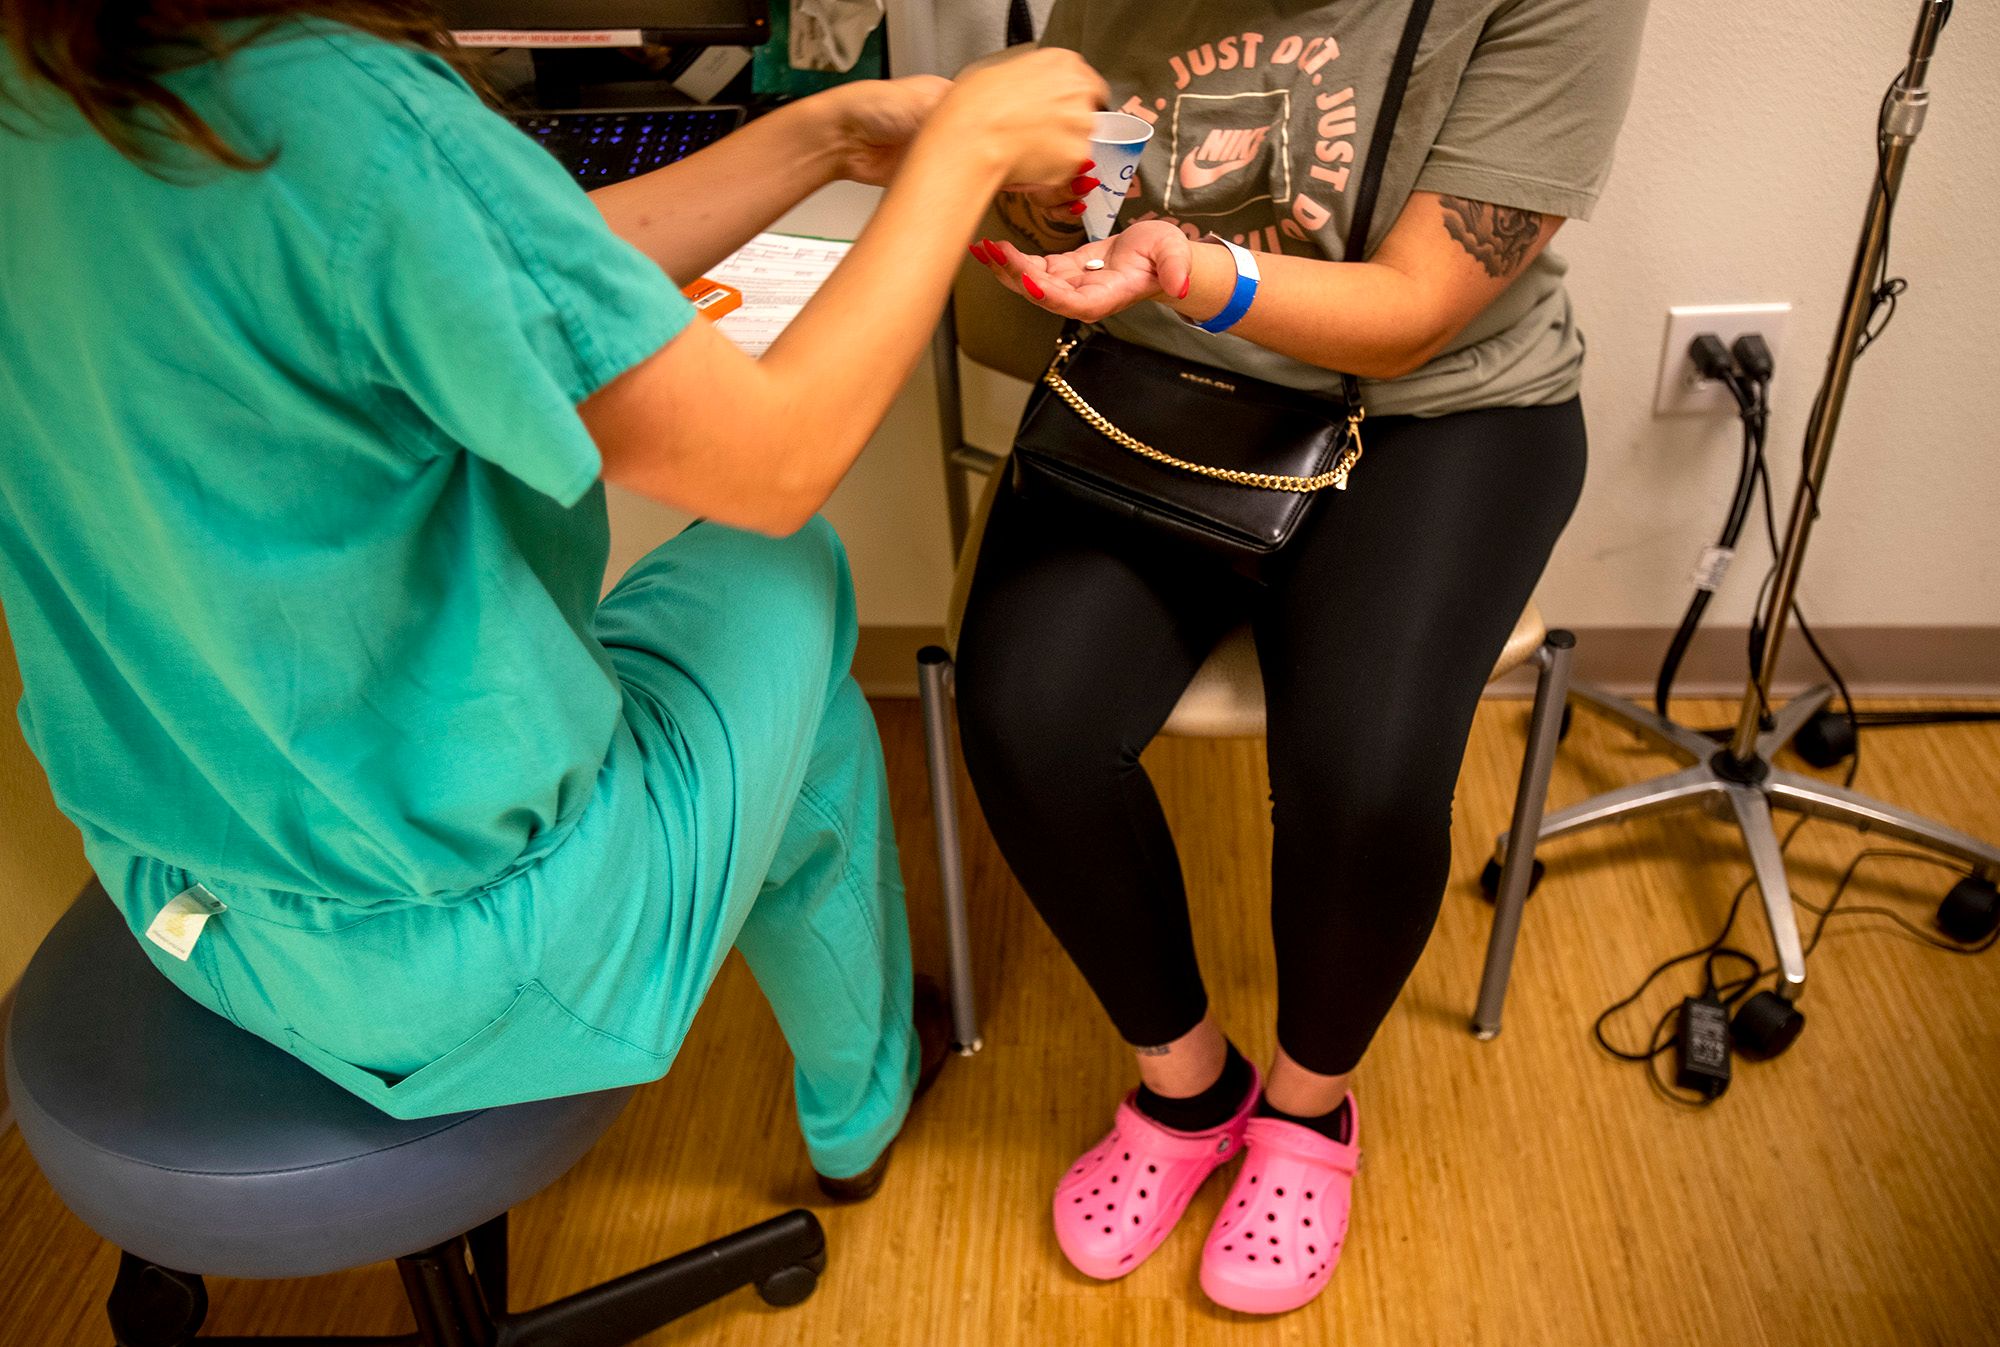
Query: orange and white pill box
[[712, 299]]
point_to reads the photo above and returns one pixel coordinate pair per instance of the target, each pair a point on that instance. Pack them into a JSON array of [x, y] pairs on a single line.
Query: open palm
[[1140, 263]]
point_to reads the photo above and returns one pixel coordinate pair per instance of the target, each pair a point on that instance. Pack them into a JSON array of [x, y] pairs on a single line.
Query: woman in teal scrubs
[[312, 370]]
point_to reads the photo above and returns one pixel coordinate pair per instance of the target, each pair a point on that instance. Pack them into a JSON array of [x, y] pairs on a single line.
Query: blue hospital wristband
[[1241, 297]]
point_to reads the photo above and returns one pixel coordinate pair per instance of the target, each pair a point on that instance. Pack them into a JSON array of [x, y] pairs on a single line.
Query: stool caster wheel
[[1489, 878], [1971, 911], [1766, 1025], [790, 1285], [1827, 740]]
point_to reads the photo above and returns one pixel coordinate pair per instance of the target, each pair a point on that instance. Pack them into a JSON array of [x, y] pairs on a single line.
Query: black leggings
[[1376, 634]]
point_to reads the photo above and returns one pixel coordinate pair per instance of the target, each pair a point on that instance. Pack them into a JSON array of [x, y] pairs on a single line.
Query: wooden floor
[[1524, 1191]]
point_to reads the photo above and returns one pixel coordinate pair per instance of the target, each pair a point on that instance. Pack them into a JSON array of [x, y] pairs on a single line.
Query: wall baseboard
[[885, 658], [1876, 661]]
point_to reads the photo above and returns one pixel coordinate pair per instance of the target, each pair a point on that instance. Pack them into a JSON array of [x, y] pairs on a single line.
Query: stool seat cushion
[[198, 1146]]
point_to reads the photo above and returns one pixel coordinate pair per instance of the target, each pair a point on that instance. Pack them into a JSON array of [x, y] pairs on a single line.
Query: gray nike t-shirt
[[1262, 112]]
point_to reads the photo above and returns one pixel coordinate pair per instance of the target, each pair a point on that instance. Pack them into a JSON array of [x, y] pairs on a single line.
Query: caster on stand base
[[1766, 1025], [1827, 740], [1971, 911]]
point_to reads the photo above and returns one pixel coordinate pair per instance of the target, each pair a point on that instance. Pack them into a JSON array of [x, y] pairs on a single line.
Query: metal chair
[[999, 331]]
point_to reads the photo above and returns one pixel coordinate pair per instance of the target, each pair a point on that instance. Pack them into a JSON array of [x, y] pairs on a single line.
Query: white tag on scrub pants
[[180, 922]]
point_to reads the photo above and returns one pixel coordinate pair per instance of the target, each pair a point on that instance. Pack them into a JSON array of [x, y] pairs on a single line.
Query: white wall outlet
[[1682, 392]]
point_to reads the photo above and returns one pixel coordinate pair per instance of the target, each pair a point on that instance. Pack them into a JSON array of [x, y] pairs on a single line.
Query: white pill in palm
[[1094, 264]]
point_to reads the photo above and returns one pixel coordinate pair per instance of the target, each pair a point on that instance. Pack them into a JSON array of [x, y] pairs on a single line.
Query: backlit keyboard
[[601, 147]]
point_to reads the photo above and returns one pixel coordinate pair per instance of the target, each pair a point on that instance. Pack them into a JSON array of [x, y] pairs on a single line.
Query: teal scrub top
[[300, 532]]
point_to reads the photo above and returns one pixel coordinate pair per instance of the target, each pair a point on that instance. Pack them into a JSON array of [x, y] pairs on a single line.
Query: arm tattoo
[[1029, 221], [1497, 237], [1160, 1051]]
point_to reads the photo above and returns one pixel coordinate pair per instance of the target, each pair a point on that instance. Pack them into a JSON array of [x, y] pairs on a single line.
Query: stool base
[[458, 1293]]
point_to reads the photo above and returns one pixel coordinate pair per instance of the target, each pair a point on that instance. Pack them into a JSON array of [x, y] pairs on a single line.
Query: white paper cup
[[1117, 139]]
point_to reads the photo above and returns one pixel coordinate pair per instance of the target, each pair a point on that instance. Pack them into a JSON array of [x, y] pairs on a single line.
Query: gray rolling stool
[[199, 1149]]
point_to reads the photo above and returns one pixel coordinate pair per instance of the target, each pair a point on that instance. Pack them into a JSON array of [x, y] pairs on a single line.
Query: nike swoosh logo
[[1195, 176]]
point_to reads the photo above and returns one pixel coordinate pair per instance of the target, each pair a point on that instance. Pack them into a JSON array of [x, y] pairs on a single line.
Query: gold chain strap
[[1335, 477]]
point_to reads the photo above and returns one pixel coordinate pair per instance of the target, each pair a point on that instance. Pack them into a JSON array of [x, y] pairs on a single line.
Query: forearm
[[761, 444], [690, 215], [837, 367], [1363, 318]]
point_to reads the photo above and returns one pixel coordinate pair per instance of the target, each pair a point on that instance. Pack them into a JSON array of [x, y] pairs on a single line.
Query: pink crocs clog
[[1123, 1196], [1274, 1246]]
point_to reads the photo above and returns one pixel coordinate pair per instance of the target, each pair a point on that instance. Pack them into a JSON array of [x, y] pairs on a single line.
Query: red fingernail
[[1082, 185], [1184, 286], [993, 254], [977, 256], [1077, 208], [1086, 166], [1028, 284]]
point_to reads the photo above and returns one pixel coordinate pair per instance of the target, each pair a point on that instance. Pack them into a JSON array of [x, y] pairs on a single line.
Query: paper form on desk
[[777, 274]]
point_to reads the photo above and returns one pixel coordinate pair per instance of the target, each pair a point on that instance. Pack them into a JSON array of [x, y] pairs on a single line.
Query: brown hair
[[109, 57]]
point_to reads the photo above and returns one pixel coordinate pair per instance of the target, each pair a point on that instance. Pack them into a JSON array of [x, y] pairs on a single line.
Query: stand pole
[[1739, 781], [1908, 102]]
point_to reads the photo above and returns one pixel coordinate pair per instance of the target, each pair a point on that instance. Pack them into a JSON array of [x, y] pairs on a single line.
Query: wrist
[[820, 134], [1211, 282], [952, 150], [970, 140]]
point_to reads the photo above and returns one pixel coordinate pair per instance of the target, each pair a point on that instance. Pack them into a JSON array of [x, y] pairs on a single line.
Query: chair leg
[[445, 1298], [488, 1246], [153, 1306], [782, 1257], [453, 1303], [1530, 799], [934, 671]]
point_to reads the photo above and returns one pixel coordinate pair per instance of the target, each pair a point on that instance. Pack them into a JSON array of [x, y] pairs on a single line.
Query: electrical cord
[[1731, 992], [1757, 637], [1713, 362], [1897, 719], [1748, 379], [1751, 389], [1908, 927]]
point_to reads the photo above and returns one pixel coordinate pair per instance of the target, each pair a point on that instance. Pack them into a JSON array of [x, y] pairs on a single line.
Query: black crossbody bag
[[1218, 459]]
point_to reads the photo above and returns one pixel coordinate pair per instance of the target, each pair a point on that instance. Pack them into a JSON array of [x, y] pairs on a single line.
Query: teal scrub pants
[[742, 804]]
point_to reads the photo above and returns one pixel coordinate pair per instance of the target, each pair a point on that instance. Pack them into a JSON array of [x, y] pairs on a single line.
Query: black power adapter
[[1703, 1044]]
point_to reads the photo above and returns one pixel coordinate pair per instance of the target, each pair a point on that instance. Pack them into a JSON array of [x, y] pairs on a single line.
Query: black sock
[[1199, 1112], [1334, 1125]]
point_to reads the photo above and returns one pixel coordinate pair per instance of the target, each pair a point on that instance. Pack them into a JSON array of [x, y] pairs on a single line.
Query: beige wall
[[41, 856], [1741, 177]]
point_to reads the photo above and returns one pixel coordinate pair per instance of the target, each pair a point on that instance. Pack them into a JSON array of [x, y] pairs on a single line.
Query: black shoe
[[932, 1016]]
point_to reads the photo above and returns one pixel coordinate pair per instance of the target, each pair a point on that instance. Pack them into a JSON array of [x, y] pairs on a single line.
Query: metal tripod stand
[[1737, 780]]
